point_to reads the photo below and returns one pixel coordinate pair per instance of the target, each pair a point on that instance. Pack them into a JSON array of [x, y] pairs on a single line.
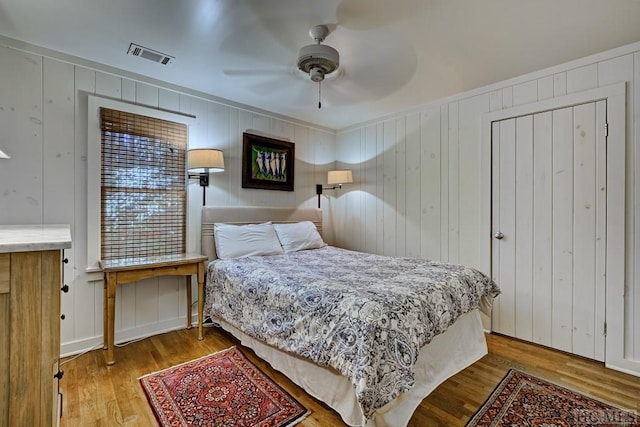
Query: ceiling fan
[[318, 60]]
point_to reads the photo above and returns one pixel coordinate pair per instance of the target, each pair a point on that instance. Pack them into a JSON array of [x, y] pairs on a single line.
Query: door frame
[[615, 95]]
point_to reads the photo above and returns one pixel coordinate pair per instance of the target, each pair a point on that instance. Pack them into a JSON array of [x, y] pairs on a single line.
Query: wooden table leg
[[200, 299], [105, 315], [111, 314], [189, 301]]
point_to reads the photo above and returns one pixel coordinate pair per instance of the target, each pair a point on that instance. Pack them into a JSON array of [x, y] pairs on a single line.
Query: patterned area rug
[[523, 400], [222, 389]]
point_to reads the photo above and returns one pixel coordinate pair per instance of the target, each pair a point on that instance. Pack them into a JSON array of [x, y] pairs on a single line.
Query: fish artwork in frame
[[267, 163]]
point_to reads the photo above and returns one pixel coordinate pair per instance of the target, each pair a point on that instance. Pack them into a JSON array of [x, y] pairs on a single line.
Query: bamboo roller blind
[[143, 200]]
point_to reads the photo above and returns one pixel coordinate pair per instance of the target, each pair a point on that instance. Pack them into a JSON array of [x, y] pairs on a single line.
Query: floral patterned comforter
[[362, 314]]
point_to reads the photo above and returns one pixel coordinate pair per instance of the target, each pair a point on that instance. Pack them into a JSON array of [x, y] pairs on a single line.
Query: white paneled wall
[[43, 118], [418, 186]]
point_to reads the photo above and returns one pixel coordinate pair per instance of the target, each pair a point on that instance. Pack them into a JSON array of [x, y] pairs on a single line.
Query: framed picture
[[267, 163]]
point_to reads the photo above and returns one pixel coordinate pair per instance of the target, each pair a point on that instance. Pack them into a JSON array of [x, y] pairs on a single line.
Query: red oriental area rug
[[222, 389], [524, 400]]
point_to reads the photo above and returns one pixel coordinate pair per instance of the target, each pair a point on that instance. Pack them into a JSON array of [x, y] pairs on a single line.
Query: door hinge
[[606, 129], [605, 329]]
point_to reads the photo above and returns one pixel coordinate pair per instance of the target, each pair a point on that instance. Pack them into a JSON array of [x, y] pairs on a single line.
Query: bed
[[355, 358]]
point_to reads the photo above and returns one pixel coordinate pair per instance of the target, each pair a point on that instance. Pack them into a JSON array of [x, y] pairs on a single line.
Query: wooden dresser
[[31, 281]]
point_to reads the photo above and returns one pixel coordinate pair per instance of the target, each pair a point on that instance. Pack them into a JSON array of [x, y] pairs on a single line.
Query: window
[[140, 204], [142, 192]]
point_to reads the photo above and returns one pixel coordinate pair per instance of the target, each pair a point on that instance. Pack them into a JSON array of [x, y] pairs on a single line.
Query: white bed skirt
[[448, 353]]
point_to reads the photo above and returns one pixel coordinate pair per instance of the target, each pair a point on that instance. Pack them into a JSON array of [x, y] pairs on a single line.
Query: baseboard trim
[[144, 331]]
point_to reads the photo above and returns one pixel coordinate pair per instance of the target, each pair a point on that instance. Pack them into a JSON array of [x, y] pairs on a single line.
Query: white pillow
[[299, 236], [236, 241]]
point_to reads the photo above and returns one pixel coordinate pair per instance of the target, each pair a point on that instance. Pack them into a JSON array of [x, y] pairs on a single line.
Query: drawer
[[5, 273]]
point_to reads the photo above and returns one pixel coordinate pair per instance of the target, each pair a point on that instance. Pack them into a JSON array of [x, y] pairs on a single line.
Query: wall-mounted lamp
[[3, 154], [204, 161], [335, 178]]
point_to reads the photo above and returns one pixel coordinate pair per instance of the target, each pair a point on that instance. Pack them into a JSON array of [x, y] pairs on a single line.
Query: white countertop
[[26, 238]]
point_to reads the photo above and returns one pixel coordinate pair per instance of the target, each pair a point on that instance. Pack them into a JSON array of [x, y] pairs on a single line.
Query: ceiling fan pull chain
[[319, 95]]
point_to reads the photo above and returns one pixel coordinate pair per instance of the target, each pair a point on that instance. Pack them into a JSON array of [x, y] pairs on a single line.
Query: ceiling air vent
[[150, 54]]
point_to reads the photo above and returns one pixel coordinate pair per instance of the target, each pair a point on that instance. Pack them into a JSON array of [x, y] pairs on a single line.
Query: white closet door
[[548, 220]]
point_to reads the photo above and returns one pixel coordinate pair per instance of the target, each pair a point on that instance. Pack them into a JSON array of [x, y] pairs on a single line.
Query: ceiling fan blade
[[250, 72], [368, 15], [365, 73]]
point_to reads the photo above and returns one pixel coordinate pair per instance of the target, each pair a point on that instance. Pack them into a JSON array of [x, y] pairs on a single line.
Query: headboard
[[240, 215]]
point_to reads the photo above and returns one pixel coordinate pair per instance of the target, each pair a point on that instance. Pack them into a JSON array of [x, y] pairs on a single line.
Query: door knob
[[499, 235]]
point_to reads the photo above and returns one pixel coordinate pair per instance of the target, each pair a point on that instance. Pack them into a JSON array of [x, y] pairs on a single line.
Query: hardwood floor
[[100, 395]]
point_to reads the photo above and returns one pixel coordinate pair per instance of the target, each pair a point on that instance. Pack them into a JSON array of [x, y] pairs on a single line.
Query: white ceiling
[[395, 54]]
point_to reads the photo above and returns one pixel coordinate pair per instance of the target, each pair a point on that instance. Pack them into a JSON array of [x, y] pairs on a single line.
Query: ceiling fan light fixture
[[318, 60], [319, 57]]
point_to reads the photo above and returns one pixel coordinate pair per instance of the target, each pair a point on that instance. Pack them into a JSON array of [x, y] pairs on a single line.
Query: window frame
[[94, 166]]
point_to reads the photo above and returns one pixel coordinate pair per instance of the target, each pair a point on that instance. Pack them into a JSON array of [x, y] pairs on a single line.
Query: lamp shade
[[343, 176], [3, 154], [204, 160]]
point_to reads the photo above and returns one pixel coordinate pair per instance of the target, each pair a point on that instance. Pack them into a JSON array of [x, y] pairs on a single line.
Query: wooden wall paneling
[[545, 88], [370, 189], [444, 183], [414, 184], [542, 227], [168, 100], [634, 220], [507, 212], [524, 228], [58, 165], [600, 230], [108, 85], [584, 220], [562, 245], [469, 153], [261, 123], [507, 97], [621, 69], [619, 342], [218, 136], [401, 187], [128, 90], [431, 233], [454, 184], [348, 199], [304, 184], [380, 188], [495, 100], [245, 122], [184, 103], [147, 94], [389, 196], [559, 84], [146, 310], [582, 78], [364, 196], [87, 320], [525, 93], [21, 124], [234, 174]]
